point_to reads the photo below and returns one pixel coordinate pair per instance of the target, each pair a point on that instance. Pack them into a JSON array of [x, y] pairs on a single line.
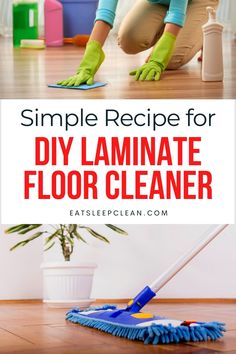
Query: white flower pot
[[67, 284]]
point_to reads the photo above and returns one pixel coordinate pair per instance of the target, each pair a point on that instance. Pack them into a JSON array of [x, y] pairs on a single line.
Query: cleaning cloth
[[80, 87]]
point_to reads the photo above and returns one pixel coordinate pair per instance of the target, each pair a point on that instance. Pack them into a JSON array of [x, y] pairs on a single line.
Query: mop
[[133, 324]]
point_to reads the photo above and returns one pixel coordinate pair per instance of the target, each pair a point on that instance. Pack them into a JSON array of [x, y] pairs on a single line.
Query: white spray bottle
[[212, 61]]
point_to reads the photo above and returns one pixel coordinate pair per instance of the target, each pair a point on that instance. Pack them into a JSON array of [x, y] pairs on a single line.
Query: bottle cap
[[16, 2], [211, 13]]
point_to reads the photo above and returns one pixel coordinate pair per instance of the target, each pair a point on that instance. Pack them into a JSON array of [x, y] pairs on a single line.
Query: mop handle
[[185, 259]]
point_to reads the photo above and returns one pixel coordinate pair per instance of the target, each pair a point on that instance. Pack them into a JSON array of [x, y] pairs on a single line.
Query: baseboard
[[22, 301], [124, 301], [173, 301]]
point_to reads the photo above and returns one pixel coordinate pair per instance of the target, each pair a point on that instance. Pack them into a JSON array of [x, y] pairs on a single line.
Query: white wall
[[224, 14], [154, 248], [20, 276], [129, 263]]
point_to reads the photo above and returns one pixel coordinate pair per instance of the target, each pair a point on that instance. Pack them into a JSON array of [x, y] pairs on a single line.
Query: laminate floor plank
[[34, 328], [25, 73]]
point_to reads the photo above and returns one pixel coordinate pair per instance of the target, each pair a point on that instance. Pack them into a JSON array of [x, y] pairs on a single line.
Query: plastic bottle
[[25, 20], [212, 61], [79, 16], [53, 22]]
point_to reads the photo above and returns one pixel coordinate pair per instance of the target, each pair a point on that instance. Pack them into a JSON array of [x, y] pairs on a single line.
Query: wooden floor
[[25, 74], [33, 328]]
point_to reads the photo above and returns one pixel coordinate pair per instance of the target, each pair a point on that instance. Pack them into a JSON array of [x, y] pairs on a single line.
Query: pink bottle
[[53, 22]]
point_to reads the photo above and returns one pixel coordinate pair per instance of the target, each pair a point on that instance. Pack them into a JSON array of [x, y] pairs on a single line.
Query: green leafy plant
[[65, 234]]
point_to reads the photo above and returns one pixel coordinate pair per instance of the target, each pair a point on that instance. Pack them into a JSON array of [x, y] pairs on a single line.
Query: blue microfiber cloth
[[81, 87]]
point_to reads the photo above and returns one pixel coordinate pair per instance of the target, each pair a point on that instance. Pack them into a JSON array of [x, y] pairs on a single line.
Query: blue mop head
[[145, 327]]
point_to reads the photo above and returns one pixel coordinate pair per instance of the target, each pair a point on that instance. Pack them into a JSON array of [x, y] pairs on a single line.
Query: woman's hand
[[147, 72], [160, 56], [158, 60], [92, 60]]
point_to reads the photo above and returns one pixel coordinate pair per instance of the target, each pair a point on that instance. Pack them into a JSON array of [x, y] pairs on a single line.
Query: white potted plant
[[65, 283]]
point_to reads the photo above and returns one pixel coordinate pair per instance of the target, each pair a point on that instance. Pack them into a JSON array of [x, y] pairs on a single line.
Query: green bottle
[[25, 20]]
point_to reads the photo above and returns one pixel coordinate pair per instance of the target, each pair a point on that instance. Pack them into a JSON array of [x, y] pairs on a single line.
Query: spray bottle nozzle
[[211, 13]]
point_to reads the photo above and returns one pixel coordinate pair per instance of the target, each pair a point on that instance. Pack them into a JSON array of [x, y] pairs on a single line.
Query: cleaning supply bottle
[[79, 16], [212, 61], [25, 20], [53, 22]]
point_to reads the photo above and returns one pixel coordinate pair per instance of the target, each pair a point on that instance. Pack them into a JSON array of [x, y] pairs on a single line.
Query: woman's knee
[[183, 56], [131, 43], [179, 59], [176, 63]]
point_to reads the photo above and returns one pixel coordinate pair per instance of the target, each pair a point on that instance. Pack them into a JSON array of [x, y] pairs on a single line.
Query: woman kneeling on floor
[[172, 28]]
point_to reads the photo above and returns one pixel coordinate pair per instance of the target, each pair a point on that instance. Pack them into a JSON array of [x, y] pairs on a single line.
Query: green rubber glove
[[92, 59], [158, 60]]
